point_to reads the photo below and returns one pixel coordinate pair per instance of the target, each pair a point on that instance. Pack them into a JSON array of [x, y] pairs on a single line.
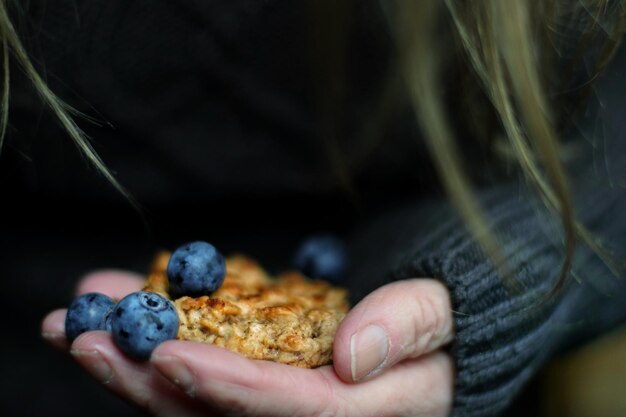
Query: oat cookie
[[288, 319]]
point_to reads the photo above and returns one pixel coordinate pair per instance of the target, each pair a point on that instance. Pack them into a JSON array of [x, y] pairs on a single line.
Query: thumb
[[404, 319]]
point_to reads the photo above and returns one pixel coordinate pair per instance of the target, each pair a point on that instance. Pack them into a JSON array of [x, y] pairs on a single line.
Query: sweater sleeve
[[503, 336]]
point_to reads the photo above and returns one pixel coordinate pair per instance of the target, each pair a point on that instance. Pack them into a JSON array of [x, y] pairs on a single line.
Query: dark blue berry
[[86, 313], [141, 321], [195, 269], [106, 321], [322, 257]]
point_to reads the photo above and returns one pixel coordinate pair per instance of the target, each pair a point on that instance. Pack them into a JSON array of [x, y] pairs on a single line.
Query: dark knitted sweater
[[211, 120]]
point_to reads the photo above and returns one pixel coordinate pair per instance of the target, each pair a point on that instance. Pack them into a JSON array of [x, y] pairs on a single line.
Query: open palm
[[185, 378]]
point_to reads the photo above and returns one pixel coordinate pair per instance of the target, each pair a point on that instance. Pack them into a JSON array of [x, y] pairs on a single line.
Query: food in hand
[[195, 269], [86, 313], [288, 319], [141, 321], [234, 304], [322, 257]]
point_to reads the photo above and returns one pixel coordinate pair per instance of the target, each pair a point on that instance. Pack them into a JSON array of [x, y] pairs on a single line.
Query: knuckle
[[431, 315], [429, 324]]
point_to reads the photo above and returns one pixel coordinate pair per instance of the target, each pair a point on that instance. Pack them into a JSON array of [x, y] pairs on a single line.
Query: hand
[[387, 362]]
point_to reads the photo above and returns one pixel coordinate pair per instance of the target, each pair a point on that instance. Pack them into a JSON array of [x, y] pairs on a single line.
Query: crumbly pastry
[[289, 319]]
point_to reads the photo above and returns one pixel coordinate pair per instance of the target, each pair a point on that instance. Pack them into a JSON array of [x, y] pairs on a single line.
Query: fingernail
[[174, 369], [368, 351], [95, 363], [52, 335]]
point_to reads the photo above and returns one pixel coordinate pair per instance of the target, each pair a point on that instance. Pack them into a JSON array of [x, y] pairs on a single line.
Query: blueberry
[[195, 269], [322, 256], [105, 324], [86, 313], [141, 321]]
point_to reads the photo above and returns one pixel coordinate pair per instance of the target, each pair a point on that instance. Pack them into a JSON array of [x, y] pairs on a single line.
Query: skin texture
[[193, 379]]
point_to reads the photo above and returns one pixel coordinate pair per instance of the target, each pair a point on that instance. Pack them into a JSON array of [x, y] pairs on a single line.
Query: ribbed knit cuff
[[503, 335]]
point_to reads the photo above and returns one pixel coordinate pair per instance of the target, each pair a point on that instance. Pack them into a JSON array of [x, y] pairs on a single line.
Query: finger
[[401, 320], [53, 329], [135, 381], [115, 284], [232, 383], [229, 382]]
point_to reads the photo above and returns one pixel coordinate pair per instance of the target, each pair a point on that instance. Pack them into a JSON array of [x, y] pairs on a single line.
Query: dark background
[[161, 108], [192, 104], [47, 245]]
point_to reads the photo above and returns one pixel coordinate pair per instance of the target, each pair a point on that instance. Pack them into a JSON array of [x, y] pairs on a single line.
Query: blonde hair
[[64, 113], [509, 48]]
